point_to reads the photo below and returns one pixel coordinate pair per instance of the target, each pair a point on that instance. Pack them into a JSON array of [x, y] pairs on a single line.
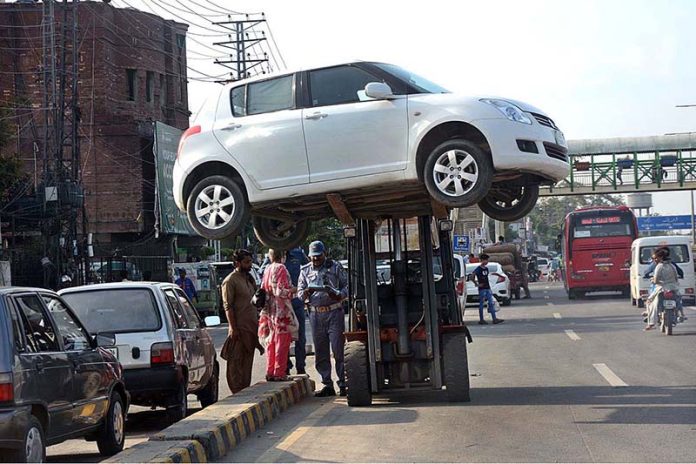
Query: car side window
[[176, 310], [17, 329], [271, 95], [38, 328], [342, 84], [191, 316], [238, 100], [69, 329]]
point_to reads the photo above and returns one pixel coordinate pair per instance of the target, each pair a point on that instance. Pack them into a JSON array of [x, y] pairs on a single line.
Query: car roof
[[13, 290], [117, 286]]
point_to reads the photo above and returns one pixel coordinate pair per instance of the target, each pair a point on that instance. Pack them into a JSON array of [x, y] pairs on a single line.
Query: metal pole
[[693, 220]]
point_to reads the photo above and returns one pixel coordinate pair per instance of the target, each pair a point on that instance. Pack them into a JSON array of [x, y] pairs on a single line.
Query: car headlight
[[510, 111]]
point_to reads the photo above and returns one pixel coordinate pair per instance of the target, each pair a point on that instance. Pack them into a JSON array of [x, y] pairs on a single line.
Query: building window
[[180, 40], [130, 77], [163, 90], [149, 86]]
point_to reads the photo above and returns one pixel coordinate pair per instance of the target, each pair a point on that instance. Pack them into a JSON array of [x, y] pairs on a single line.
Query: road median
[[212, 432]]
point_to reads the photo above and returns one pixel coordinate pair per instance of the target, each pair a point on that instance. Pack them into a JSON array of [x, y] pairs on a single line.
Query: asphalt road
[[546, 387], [542, 390]]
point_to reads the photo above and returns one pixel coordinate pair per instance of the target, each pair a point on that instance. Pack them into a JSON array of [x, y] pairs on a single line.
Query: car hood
[[457, 100]]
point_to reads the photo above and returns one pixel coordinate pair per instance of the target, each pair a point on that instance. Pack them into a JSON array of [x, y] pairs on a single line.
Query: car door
[[184, 341], [349, 134], [261, 127], [52, 370], [90, 393], [199, 345]]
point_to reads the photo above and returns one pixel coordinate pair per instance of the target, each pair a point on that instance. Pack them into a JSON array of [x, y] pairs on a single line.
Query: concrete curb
[[214, 431]]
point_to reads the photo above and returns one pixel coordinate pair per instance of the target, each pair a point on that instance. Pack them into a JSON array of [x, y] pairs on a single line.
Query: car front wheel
[[217, 208], [281, 235], [509, 203], [458, 173]]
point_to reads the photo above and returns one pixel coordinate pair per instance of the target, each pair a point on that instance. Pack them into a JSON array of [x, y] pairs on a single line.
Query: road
[[544, 388]]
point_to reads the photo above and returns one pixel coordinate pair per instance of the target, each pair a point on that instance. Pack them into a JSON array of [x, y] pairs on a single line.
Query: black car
[[56, 383]]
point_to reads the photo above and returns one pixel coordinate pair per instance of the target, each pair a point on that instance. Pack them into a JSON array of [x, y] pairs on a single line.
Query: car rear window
[[116, 310]]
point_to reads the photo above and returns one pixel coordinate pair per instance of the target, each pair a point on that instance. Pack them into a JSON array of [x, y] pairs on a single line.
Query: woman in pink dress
[[279, 318]]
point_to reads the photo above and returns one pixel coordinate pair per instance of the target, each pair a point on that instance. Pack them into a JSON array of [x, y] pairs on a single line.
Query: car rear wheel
[[509, 203], [458, 173], [210, 393], [282, 235], [112, 435], [217, 208], [33, 448], [178, 408]]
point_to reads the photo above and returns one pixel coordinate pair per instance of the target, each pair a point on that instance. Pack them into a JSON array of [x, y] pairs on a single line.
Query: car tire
[[178, 407], [33, 448], [280, 235], [464, 158], [210, 393], [357, 374], [111, 436], [455, 364], [212, 196], [571, 294], [509, 203], [507, 301]]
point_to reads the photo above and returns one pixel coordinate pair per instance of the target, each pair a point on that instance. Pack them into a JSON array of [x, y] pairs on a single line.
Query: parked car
[[543, 266], [164, 347], [499, 281], [56, 380], [363, 129], [460, 281]]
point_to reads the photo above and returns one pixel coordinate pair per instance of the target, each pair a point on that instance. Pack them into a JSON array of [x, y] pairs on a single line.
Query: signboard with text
[[461, 243], [169, 219], [653, 223]]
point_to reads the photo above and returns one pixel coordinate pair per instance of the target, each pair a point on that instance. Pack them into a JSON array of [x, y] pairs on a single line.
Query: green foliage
[[10, 175], [6, 128], [547, 217], [329, 231]]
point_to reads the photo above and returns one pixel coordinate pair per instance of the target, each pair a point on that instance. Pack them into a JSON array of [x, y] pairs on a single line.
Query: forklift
[[405, 332]]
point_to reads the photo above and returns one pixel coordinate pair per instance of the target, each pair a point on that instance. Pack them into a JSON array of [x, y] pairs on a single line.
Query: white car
[[382, 137], [499, 281], [543, 266]]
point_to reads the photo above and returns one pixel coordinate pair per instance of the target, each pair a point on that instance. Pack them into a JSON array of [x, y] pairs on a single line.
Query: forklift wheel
[[357, 374], [456, 367]]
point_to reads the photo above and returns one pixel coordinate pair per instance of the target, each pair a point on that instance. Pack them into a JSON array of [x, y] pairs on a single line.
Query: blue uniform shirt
[[330, 273], [188, 287], [294, 262]]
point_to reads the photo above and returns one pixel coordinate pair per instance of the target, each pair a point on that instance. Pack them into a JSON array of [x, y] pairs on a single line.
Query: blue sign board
[[653, 223], [461, 243]]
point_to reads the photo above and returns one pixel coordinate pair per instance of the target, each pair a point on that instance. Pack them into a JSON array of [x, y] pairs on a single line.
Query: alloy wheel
[[455, 173], [118, 422], [215, 207]]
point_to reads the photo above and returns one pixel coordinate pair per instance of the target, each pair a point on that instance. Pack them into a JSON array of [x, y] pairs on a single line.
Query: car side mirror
[[105, 339], [212, 321], [378, 91]]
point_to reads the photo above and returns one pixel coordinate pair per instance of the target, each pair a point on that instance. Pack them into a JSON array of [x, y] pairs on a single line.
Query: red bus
[[596, 249]]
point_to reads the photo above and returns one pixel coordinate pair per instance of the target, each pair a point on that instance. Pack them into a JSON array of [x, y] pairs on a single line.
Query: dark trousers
[[301, 342], [327, 330]]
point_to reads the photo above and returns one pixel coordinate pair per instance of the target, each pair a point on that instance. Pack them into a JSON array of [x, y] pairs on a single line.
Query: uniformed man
[[324, 284]]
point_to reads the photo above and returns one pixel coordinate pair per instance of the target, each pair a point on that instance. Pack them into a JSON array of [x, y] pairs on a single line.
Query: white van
[[680, 253]]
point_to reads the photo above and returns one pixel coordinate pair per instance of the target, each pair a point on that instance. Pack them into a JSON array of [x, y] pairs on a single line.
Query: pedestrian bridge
[[625, 165]]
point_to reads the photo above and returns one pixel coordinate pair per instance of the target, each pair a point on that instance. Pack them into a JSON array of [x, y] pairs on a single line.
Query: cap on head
[[316, 248]]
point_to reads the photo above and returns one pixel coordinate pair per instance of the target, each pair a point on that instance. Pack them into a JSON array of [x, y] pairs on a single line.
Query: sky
[[606, 68]]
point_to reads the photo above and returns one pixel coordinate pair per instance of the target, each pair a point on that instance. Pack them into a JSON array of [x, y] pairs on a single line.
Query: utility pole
[[245, 35]]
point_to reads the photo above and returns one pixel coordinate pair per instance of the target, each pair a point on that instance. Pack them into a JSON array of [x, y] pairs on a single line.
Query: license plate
[[113, 351], [560, 138], [670, 304]]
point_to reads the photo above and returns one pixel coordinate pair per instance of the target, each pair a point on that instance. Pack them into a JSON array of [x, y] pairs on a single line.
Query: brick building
[[132, 72]]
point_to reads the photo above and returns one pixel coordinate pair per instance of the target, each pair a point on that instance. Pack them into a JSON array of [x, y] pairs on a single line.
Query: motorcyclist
[[680, 273], [665, 278]]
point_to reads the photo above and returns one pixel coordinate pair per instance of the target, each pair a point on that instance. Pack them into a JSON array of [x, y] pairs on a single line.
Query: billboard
[[168, 218], [653, 223]]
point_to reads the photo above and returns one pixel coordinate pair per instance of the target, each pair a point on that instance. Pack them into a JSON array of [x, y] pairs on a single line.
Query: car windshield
[[542, 262], [115, 310], [419, 83]]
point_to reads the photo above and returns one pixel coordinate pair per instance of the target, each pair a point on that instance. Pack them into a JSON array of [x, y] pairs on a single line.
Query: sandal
[[649, 327]]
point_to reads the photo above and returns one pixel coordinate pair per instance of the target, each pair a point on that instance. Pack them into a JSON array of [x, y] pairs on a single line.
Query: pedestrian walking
[[294, 261], [484, 288], [187, 285], [278, 316], [242, 334], [324, 284]]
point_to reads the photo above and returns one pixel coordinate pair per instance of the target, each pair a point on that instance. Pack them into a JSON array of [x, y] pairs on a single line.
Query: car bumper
[[502, 136], [178, 176], [13, 425], [152, 381]]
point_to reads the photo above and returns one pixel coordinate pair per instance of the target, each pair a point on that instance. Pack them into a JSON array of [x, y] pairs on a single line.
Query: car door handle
[[231, 127], [316, 116]]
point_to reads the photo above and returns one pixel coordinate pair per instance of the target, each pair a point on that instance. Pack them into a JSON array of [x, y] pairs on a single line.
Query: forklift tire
[[456, 367], [357, 374]]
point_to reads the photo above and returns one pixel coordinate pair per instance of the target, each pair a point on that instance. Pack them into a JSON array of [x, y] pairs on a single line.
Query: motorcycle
[[668, 313]]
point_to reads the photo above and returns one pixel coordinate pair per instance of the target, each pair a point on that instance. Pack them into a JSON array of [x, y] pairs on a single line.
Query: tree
[[10, 176], [547, 218], [330, 232]]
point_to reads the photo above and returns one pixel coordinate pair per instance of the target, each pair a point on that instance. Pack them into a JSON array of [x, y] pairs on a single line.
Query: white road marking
[[609, 375], [550, 304], [557, 315], [547, 297], [547, 287], [693, 308], [572, 334]]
